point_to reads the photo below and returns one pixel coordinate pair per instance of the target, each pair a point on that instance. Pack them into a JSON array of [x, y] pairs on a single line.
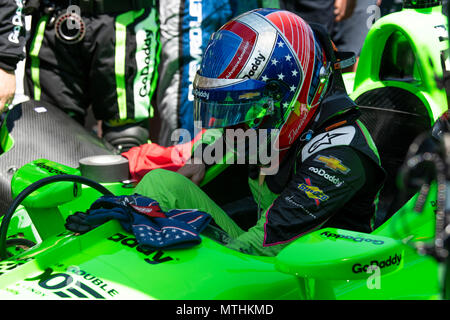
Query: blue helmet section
[[199, 21]]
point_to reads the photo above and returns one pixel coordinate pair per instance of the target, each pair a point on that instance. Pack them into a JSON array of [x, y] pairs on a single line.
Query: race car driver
[[268, 69], [102, 54]]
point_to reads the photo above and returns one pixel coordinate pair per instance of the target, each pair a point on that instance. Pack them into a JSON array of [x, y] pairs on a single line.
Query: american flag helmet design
[[267, 46]]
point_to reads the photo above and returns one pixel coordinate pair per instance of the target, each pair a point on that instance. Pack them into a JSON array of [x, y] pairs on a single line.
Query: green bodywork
[[108, 263], [415, 43]]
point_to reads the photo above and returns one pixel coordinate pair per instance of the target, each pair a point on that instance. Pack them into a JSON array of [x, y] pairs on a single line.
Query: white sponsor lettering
[[195, 42], [201, 94], [337, 137], [321, 172], [17, 22]]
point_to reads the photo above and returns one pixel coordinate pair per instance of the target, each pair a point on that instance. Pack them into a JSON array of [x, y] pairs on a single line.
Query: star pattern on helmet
[[283, 66]]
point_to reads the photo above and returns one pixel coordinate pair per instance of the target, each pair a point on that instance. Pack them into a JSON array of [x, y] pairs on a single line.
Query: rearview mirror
[[336, 254], [48, 196]]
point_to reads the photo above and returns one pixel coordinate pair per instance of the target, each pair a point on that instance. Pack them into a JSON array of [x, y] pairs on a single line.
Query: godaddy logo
[[391, 261], [146, 70], [42, 165], [350, 237], [255, 65], [200, 94], [321, 172], [17, 23]]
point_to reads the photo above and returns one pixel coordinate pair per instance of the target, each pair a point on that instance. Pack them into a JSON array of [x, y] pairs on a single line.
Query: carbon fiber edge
[[40, 130]]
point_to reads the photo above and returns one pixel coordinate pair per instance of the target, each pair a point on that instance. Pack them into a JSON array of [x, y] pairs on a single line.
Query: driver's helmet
[[265, 69]]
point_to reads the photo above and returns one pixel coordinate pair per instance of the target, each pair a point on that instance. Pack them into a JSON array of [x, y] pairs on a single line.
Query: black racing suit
[[332, 180], [112, 68], [12, 34]]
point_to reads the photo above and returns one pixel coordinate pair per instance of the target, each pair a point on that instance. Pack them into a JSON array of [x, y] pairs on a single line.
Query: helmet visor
[[220, 103]]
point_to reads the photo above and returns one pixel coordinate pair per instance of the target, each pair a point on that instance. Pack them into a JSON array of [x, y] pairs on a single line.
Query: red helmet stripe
[[308, 70], [249, 37]]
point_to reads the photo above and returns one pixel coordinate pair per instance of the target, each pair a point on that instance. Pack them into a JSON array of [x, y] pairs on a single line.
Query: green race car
[[395, 86]]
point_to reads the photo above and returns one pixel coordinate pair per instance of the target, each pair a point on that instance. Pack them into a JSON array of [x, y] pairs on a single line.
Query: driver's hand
[[193, 171], [7, 88]]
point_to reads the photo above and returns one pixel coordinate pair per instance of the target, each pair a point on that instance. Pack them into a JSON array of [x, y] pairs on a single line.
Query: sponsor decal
[[74, 283], [255, 65], [153, 256], [195, 19], [145, 72], [49, 169], [6, 266], [352, 238], [313, 192], [342, 136], [391, 261], [145, 55], [295, 204], [249, 95], [326, 139], [17, 22], [322, 173], [200, 94], [332, 163]]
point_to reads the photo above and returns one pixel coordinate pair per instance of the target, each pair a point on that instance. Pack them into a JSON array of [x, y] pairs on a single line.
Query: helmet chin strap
[[344, 59]]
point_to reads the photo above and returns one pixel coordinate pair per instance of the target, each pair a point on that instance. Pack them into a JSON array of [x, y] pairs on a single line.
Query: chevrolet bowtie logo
[[333, 164], [249, 95]]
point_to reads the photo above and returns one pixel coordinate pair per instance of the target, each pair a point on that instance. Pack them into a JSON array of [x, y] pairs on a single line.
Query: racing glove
[[142, 216]]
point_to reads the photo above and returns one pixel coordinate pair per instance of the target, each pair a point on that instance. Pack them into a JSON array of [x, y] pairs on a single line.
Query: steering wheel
[[33, 187]]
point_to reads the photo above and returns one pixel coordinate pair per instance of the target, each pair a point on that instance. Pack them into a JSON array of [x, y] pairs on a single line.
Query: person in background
[[87, 53], [12, 41], [349, 34], [325, 12]]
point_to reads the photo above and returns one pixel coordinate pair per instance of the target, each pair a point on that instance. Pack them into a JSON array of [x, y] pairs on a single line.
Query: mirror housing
[[337, 254], [49, 196]]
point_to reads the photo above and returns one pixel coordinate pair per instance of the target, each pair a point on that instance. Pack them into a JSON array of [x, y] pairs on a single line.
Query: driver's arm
[[308, 202], [195, 168]]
